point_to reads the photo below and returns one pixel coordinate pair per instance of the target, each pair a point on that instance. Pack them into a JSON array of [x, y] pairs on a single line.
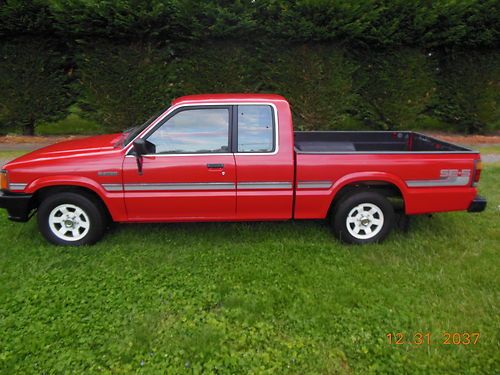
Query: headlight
[[4, 184]]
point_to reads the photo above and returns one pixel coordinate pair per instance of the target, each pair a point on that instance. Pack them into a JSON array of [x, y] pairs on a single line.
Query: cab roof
[[211, 98]]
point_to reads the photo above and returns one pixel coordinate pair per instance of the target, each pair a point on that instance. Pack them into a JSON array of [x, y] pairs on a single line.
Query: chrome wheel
[[69, 222], [365, 221]]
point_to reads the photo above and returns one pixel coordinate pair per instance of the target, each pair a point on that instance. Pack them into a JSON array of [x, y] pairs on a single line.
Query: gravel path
[[490, 158]]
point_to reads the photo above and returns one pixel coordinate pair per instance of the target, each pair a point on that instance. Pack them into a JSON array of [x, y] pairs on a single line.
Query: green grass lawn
[[253, 297], [11, 154], [73, 124]]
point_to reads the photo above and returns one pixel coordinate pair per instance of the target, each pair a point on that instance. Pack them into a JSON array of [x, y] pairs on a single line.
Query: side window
[[255, 128], [193, 131]]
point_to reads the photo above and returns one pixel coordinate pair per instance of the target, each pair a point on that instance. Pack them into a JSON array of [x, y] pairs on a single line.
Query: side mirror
[[140, 147]]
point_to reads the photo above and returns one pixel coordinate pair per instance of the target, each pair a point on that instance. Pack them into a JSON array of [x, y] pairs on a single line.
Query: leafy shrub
[[469, 91], [318, 82], [330, 87], [34, 82], [362, 22], [122, 86], [22, 17], [396, 88], [125, 84]]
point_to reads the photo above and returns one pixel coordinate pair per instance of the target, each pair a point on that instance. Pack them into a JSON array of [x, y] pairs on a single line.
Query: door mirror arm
[[138, 159]]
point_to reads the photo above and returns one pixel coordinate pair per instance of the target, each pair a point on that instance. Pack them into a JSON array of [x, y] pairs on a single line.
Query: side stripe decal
[[198, 186], [180, 186], [448, 178], [314, 184], [112, 187], [458, 181], [264, 185]]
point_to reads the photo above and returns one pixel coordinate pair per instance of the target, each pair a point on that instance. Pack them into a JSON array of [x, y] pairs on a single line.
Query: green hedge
[[362, 22], [35, 84], [329, 86], [343, 64]]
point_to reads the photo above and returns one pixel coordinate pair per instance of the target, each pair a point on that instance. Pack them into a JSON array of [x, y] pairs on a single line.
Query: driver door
[[190, 174]]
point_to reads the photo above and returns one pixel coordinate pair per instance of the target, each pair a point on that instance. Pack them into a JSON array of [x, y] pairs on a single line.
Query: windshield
[[131, 133]]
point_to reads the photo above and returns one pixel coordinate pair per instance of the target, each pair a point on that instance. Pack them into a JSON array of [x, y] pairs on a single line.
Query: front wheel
[[71, 219], [363, 218]]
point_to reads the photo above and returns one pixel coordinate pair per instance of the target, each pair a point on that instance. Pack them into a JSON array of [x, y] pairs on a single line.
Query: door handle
[[215, 165]]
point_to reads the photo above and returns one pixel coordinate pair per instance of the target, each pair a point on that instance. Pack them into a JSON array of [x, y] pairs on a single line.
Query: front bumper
[[17, 205], [478, 204]]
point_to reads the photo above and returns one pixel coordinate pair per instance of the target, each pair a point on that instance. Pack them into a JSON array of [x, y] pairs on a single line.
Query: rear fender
[[364, 177]]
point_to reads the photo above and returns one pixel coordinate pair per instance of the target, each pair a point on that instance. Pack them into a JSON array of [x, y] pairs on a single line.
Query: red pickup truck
[[236, 157]]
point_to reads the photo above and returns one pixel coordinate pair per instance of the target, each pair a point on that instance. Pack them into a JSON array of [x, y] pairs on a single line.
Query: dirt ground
[[19, 139], [30, 143], [468, 139]]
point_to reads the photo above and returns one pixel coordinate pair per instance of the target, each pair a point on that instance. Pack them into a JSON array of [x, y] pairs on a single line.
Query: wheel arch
[[84, 189], [385, 184]]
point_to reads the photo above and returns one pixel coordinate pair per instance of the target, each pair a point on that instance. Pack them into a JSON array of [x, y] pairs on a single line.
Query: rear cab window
[[256, 129]]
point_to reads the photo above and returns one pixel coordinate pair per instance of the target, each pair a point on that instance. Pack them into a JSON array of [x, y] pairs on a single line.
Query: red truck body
[[300, 177]]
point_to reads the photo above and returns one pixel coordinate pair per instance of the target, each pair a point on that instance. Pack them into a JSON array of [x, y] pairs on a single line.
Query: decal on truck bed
[[448, 177]]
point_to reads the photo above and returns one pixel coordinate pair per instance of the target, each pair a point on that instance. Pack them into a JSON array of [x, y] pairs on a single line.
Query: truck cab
[[211, 159]]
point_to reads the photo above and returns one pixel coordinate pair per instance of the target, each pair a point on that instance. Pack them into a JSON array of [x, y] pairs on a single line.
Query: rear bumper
[[17, 205], [477, 205]]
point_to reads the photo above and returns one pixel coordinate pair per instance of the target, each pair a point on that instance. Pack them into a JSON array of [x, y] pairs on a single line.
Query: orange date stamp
[[425, 338]]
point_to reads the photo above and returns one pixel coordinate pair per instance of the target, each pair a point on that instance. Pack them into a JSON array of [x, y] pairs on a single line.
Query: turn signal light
[[4, 184], [477, 172]]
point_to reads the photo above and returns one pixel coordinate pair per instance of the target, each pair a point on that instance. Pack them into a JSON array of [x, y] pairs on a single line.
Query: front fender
[[65, 180]]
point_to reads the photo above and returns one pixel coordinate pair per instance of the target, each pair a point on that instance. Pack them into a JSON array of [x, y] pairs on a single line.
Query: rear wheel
[[363, 218], [71, 219]]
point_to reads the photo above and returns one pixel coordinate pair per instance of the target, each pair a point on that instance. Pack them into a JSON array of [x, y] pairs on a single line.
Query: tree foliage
[[329, 87], [468, 88], [396, 88], [343, 64], [34, 84], [362, 22], [120, 86]]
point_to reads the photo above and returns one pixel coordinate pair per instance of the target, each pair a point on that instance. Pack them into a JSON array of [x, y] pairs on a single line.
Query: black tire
[[367, 199], [94, 218]]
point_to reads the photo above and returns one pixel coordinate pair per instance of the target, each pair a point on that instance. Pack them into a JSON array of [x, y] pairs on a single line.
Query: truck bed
[[347, 142]]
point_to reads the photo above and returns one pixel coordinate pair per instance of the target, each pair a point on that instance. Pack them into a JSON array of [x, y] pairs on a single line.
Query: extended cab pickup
[[236, 157]]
